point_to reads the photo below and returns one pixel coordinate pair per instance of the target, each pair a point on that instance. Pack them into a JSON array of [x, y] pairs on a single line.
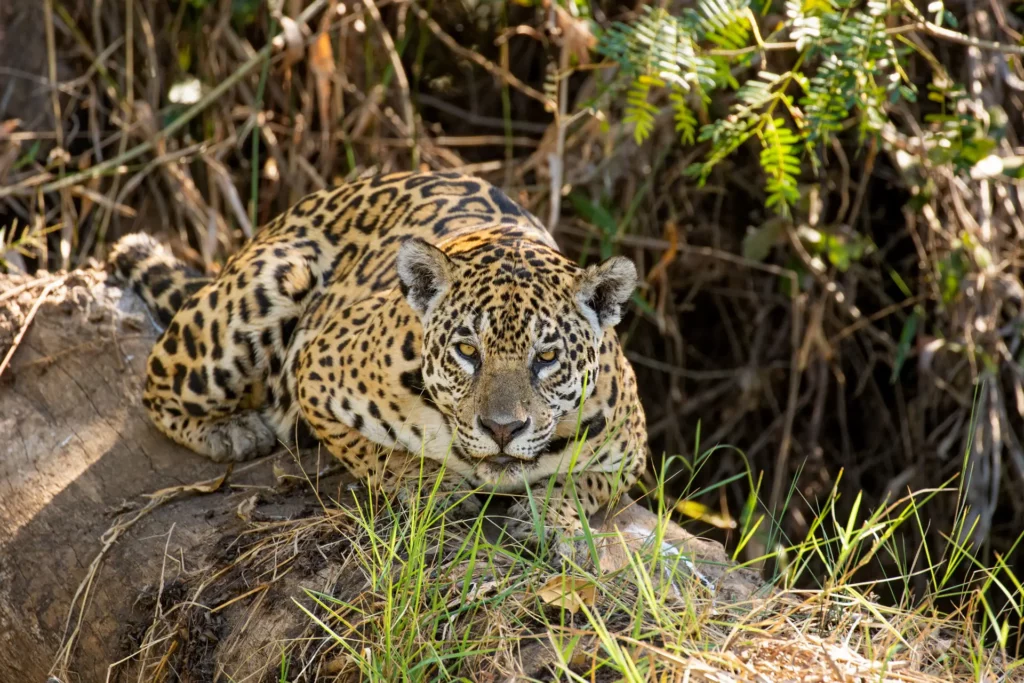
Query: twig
[[956, 37], [479, 120], [260, 588], [106, 202], [556, 159], [796, 319], [920, 24], [863, 322], [128, 111], [28, 321], [862, 186], [227, 188], [403, 79], [162, 664], [11, 293], [465, 141], [58, 127]]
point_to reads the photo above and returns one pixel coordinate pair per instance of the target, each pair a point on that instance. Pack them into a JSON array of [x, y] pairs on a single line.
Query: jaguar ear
[[425, 273], [603, 290]]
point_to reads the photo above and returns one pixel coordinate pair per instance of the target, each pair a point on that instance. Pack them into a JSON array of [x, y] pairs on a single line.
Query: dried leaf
[[187, 91], [578, 39], [58, 155], [321, 63], [321, 56], [699, 511], [341, 664], [270, 170], [245, 508], [7, 127], [208, 486], [568, 592], [667, 258], [475, 593], [280, 473], [583, 660]]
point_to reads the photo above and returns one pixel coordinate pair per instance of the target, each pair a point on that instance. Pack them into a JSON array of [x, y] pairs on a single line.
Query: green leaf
[[642, 304], [1013, 167], [899, 281], [975, 150], [786, 283], [952, 271], [758, 242], [838, 253], [245, 12], [842, 251], [594, 213], [907, 336], [184, 57], [28, 157]]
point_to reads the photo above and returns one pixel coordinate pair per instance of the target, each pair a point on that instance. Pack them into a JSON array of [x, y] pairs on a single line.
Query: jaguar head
[[512, 337]]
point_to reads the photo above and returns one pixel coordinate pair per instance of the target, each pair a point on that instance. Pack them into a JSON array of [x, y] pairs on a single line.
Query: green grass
[[442, 602]]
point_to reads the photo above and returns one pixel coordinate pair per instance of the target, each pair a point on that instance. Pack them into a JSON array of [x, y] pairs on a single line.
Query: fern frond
[[686, 122], [724, 22], [660, 44], [639, 110], [658, 50], [780, 164], [725, 135], [805, 20], [848, 68], [759, 92], [856, 72], [827, 102]]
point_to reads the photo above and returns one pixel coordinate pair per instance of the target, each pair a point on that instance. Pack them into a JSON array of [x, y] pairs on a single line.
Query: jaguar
[[410, 323]]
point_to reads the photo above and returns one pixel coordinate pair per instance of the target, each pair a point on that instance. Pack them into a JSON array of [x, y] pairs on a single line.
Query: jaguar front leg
[[409, 478], [556, 507]]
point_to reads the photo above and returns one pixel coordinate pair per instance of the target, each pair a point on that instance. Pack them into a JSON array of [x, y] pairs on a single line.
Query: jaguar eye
[[467, 351], [547, 356]]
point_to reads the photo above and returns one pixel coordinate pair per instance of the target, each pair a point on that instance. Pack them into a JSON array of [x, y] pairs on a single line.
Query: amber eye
[[547, 356], [467, 350]]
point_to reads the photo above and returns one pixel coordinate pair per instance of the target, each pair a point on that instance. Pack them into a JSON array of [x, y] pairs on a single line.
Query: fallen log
[[126, 557]]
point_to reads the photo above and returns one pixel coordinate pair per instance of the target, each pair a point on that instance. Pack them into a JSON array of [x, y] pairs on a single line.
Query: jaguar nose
[[503, 432]]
